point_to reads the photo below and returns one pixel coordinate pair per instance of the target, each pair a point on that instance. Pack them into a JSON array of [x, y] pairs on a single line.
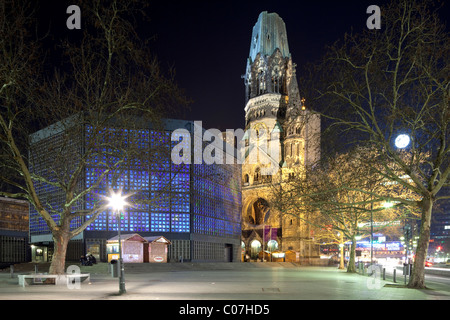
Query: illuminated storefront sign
[[389, 246]]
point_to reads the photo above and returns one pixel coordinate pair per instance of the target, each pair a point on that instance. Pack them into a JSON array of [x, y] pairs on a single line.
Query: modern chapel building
[[195, 206]]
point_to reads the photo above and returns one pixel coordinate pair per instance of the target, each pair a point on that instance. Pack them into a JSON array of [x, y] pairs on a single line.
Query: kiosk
[[132, 248], [292, 256], [157, 249]]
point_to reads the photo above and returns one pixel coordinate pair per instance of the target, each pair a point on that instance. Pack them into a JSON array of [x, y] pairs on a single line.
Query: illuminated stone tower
[[279, 121]]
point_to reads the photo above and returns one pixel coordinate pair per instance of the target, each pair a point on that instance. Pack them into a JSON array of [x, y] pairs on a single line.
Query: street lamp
[[402, 141], [371, 231], [117, 202]]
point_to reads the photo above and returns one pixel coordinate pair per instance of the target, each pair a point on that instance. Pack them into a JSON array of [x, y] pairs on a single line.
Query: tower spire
[[270, 69], [269, 34]]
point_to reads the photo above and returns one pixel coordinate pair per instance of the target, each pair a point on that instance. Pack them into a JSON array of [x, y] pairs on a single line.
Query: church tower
[[281, 140]]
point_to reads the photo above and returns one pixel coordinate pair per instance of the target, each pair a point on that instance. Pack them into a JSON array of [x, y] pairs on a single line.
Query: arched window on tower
[[248, 88], [276, 84], [261, 83], [275, 80], [246, 180], [267, 178], [257, 176]]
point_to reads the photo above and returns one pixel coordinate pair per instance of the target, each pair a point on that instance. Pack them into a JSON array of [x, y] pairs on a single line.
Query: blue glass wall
[[160, 190], [165, 198], [216, 200], [45, 160]]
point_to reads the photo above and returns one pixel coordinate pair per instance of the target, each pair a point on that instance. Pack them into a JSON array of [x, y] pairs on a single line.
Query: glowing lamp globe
[[402, 141], [116, 201]]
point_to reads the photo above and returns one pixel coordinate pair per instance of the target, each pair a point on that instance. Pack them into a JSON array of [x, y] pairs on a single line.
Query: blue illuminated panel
[[100, 224], [160, 222], [138, 180], [42, 162], [180, 222], [180, 202], [139, 221], [180, 182], [216, 200]]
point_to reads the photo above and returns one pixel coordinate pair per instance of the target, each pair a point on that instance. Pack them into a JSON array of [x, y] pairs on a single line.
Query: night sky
[[208, 43]]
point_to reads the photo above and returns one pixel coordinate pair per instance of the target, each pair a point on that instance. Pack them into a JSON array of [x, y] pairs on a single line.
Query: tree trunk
[[351, 262], [417, 279], [341, 260], [60, 242], [341, 250]]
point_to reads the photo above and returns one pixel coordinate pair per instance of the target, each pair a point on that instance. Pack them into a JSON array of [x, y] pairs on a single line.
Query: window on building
[[257, 176]]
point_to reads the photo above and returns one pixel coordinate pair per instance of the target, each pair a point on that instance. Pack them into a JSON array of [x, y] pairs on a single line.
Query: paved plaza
[[222, 281]]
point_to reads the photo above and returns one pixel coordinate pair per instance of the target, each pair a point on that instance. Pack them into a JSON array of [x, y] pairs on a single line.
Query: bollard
[[35, 269], [405, 271], [384, 273], [395, 272], [11, 271]]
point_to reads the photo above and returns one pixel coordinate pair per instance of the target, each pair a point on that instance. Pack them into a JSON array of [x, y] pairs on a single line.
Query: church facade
[[284, 143]]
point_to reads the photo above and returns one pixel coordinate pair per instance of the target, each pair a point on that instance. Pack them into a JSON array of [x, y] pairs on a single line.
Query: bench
[[62, 279]]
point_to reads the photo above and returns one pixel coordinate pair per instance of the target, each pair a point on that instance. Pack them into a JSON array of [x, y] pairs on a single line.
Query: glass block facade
[[46, 160], [216, 192], [194, 205]]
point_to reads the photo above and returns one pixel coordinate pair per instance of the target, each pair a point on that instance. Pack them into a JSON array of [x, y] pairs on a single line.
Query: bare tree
[[377, 84], [92, 105], [343, 192]]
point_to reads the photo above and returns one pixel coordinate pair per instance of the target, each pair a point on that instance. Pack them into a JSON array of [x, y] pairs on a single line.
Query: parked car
[[428, 264], [448, 262]]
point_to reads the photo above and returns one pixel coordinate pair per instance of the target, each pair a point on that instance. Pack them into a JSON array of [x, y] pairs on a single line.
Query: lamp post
[[117, 202], [371, 230], [401, 142]]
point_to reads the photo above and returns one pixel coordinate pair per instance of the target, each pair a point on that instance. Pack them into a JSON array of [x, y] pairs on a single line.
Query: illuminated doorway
[[255, 248], [272, 245]]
